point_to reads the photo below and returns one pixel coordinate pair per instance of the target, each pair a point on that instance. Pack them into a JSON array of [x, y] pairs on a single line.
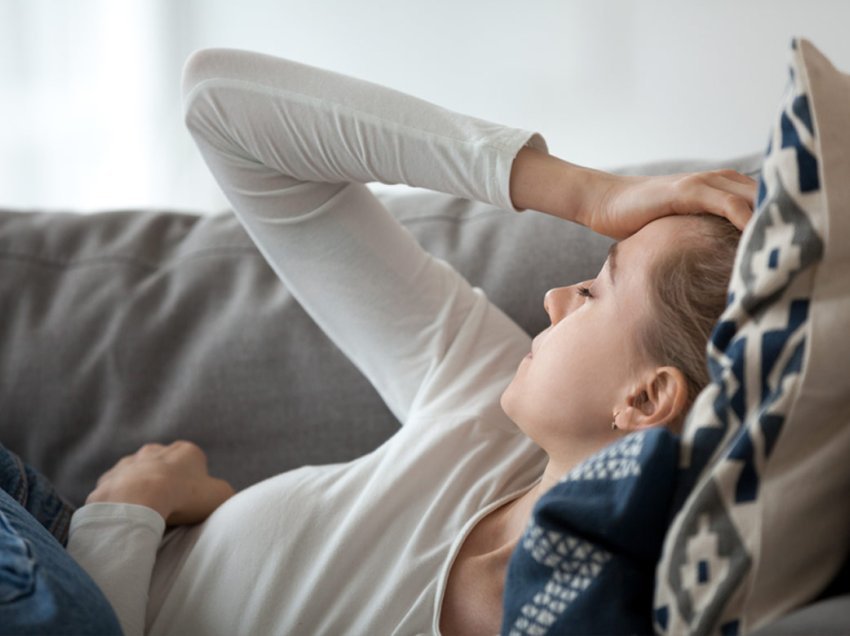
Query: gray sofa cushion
[[125, 327], [829, 617]]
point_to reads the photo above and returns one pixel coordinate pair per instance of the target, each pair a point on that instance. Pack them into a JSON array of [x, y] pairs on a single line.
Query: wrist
[[150, 493], [543, 182]]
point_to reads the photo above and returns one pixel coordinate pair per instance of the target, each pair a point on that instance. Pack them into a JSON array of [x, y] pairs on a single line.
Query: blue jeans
[[42, 589]]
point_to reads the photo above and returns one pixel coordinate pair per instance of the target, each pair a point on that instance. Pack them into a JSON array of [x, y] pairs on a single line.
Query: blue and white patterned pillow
[[586, 562], [763, 520]]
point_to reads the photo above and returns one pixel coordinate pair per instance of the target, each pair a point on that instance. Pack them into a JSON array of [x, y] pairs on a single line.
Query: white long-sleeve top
[[363, 547]]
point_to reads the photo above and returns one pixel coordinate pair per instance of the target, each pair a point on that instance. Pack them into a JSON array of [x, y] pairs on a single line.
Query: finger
[[124, 461], [716, 193], [185, 447], [746, 189], [740, 216], [150, 449], [733, 207], [734, 175], [738, 213], [184, 450], [724, 180]]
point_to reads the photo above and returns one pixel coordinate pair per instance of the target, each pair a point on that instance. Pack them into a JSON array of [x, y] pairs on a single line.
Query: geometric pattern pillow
[[586, 561], [763, 520]]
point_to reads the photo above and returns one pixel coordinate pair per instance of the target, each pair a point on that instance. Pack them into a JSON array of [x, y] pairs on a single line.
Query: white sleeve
[[116, 544], [291, 146]]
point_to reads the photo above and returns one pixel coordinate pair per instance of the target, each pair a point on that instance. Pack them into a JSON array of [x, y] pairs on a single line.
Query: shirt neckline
[[459, 541]]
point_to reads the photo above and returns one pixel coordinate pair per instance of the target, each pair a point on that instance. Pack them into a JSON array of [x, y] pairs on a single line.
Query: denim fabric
[[36, 494], [42, 589]]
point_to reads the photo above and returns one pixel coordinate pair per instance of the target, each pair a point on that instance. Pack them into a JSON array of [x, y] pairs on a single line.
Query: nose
[[561, 301]]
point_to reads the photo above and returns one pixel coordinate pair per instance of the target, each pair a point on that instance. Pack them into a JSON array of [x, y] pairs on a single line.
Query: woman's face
[[586, 363]]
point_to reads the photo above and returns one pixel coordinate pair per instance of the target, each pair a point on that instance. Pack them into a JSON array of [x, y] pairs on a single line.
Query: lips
[[533, 343], [538, 342]]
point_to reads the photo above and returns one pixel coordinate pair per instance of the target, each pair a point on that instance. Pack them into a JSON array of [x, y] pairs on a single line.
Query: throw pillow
[[764, 473], [586, 561]]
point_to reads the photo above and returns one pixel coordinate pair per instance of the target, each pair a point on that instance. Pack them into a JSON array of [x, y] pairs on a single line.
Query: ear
[[657, 401]]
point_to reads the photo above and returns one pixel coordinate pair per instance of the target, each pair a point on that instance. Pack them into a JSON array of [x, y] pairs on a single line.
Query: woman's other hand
[[173, 480], [618, 206]]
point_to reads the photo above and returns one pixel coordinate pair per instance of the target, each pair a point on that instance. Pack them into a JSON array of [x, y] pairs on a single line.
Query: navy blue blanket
[[586, 563]]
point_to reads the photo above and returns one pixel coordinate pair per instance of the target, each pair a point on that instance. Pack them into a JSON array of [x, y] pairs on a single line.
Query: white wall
[[89, 90]]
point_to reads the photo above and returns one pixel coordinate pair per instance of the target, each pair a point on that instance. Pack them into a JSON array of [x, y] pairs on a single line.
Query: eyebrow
[[612, 260]]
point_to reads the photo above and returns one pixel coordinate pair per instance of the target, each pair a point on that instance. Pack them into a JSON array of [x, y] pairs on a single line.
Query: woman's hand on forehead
[[618, 206]]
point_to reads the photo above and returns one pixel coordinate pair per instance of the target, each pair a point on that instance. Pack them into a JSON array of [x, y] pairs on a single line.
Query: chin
[[506, 402], [509, 405]]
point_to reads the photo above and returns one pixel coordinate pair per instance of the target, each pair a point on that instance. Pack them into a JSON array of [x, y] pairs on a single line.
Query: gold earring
[[614, 426]]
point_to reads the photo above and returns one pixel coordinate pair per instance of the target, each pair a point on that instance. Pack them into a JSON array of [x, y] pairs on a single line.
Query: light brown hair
[[688, 295]]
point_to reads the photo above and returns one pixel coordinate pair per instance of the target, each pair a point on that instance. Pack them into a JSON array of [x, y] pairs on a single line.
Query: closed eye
[[584, 291]]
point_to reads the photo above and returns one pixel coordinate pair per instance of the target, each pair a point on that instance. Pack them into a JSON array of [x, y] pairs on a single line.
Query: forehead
[[655, 236], [634, 255]]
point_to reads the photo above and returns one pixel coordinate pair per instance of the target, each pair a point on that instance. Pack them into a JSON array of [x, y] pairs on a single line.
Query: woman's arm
[[116, 535], [116, 544], [314, 125], [291, 146]]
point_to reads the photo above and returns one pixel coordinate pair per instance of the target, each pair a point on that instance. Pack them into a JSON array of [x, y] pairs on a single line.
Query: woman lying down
[[414, 537]]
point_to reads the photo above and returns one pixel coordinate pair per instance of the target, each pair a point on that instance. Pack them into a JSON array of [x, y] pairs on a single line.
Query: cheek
[[552, 388], [569, 384], [574, 379]]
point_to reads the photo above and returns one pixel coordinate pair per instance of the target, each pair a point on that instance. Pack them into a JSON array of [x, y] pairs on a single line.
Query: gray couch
[[123, 327]]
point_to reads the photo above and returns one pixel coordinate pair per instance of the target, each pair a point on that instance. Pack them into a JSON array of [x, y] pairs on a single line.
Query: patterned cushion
[[764, 522], [586, 562]]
